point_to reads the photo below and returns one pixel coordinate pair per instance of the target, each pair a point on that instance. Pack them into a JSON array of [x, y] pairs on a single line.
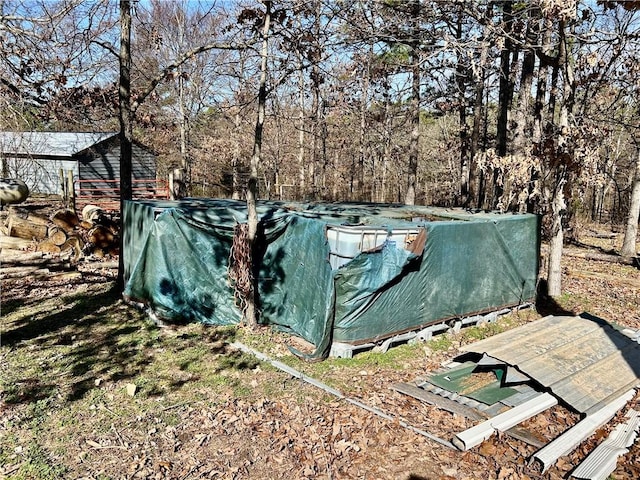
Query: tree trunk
[[556, 240], [478, 116], [235, 159], [414, 142], [302, 167], [316, 82], [324, 135], [236, 181], [523, 117], [125, 118], [184, 139], [475, 178], [631, 231], [386, 154], [250, 314], [563, 149], [315, 112], [463, 129], [504, 98], [364, 101]]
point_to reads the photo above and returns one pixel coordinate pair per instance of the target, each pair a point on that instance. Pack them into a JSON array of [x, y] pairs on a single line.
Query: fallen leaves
[[295, 432], [131, 389]]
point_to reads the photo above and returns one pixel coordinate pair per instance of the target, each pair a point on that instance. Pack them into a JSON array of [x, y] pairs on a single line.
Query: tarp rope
[[240, 270]]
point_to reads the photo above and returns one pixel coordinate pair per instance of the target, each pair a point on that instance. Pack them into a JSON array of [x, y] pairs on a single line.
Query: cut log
[[14, 243], [65, 219], [37, 258], [19, 257], [17, 272], [57, 236], [75, 244], [101, 237], [602, 235], [35, 273], [28, 214], [23, 228], [92, 213], [11, 253], [48, 246], [58, 276], [22, 270]]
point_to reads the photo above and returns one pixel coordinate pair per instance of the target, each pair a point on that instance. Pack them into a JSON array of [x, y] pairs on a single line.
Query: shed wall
[[41, 175], [103, 163]]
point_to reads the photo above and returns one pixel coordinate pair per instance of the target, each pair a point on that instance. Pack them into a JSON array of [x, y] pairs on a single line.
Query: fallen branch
[[36, 258], [632, 282], [48, 275], [97, 265], [602, 235], [602, 257], [16, 272]]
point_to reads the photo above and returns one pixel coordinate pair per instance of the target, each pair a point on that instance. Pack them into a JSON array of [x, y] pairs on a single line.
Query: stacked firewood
[[94, 233]]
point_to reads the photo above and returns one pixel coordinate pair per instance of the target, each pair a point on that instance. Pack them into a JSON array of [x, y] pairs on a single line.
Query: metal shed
[[94, 158]]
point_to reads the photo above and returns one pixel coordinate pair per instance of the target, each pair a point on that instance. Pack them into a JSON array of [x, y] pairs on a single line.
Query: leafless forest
[[517, 106]]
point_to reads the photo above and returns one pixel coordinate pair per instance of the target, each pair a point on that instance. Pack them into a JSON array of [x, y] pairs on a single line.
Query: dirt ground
[[92, 389]]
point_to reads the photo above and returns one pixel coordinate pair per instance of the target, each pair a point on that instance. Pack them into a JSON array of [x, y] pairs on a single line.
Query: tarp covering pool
[[351, 273]]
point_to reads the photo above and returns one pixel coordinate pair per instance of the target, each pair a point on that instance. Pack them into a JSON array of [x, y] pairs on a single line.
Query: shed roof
[[582, 360], [56, 144]]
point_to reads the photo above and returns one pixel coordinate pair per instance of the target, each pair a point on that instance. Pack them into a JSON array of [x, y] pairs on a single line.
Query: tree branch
[[182, 60], [107, 46]]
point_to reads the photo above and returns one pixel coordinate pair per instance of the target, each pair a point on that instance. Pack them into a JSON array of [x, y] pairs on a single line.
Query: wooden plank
[[573, 358], [532, 339], [438, 401], [524, 435]]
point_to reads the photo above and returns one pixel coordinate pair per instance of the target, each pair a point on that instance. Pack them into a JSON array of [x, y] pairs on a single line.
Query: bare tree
[[250, 313], [631, 230], [125, 118]]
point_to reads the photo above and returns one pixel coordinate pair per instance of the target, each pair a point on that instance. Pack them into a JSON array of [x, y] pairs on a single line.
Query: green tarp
[[463, 381], [176, 257]]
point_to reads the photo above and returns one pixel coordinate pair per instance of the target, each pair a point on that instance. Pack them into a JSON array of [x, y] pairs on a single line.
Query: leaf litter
[[200, 410]]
